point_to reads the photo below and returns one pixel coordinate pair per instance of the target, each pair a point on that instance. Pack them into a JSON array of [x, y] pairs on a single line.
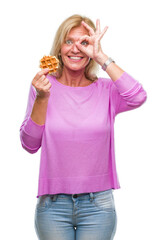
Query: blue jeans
[[87, 216]]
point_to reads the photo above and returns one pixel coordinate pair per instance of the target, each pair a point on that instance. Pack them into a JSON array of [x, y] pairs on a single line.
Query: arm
[[32, 128], [113, 70], [30, 131], [38, 113], [127, 93]]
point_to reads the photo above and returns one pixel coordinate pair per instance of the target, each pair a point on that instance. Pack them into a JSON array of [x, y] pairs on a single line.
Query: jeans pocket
[[43, 203], [104, 201]]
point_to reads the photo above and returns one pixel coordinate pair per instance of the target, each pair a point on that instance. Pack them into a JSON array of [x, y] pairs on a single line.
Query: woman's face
[[72, 57]]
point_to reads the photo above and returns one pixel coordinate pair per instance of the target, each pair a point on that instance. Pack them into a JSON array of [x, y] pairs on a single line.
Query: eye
[[84, 43], [68, 42]]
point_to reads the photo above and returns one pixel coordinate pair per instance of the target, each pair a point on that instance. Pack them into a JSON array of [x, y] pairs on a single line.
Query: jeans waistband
[[74, 196], [54, 196]]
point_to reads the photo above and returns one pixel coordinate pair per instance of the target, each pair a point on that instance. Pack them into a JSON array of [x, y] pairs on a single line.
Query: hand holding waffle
[[42, 84], [49, 64]]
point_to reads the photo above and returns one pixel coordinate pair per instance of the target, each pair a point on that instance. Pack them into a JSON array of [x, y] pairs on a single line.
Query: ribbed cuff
[[125, 83], [33, 129]]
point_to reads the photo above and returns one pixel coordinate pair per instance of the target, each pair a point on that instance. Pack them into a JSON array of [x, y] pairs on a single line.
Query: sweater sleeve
[[127, 93], [31, 132]]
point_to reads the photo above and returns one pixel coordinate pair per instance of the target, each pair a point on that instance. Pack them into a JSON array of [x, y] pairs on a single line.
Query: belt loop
[[91, 196], [54, 197]]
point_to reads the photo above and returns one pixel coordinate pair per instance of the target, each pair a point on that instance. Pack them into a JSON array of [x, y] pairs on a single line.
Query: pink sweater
[[77, 139]]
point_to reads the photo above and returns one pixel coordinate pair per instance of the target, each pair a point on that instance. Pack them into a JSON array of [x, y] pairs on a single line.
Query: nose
[[75, 49]]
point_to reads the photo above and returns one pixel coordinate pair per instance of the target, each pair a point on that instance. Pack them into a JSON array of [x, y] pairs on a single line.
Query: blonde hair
[[62, 32]]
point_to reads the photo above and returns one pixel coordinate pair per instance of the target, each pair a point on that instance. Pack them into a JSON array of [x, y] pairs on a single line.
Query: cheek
[[87, 60], [64, 54], [65, 50]]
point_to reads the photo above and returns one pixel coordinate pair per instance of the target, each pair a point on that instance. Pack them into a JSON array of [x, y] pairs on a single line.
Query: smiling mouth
[[75, 58]]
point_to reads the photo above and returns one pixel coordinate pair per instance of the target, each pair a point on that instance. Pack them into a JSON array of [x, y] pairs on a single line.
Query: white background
[[136, 40]]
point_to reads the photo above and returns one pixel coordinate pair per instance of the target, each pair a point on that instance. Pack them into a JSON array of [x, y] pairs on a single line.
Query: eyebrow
[[70, 38]]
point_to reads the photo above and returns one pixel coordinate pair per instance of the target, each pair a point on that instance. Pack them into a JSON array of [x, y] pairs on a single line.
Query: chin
[[73, 68]]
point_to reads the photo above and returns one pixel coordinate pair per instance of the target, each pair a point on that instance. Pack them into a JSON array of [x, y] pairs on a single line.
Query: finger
[[98, 26], [80, 46], [47, 87], [83, 42], [45, 82], [42, 85], [84, 38], [40, 73], [44, 71], [91, 31], [103, 32], [37, 81], [42, 78]]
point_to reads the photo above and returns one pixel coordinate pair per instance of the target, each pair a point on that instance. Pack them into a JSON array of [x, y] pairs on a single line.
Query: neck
[[73, 78]]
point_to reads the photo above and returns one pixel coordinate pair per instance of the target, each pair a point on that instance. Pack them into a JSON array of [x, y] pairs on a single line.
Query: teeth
[[75, 58]]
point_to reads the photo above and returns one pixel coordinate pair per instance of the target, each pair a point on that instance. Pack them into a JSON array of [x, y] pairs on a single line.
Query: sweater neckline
[[69, 87]]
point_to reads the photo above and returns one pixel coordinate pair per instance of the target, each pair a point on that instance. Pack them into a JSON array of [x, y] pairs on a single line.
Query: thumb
[[79, 46], [82, 48]]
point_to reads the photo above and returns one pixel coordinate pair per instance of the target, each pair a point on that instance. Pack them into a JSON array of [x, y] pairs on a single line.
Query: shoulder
[[104, 82]]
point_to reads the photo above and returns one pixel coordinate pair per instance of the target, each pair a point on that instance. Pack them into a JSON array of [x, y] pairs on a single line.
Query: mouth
[[75, 58]]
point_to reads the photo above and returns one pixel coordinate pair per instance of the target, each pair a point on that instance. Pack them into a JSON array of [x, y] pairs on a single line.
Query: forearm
[[113, 70], [38, 114]]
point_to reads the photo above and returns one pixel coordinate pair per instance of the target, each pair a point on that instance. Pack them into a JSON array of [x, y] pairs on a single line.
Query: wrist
[[42, 99], [108, 62], [101, 59], [42, 96]]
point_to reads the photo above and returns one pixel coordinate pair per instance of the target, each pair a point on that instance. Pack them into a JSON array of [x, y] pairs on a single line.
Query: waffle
[[50, 62]]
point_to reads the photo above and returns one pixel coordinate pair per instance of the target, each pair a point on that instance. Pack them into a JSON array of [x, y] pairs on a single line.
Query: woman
[[71, 115]]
